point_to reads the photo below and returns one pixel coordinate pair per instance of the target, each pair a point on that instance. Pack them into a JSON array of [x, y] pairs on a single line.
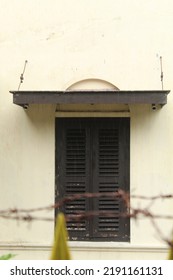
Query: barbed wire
[[29, 215]]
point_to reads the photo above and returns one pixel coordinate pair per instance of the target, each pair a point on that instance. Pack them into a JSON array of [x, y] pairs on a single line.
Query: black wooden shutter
[[111, 173], [92, 155], [72, 169]]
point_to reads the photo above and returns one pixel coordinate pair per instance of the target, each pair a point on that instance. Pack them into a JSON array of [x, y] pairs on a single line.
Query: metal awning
[[25, 98]]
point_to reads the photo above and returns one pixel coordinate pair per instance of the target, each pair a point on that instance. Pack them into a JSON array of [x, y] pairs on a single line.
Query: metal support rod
[[161, 68], [22, 75]]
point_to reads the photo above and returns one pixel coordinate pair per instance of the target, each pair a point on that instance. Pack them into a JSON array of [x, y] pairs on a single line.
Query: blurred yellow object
[[170, 256], [60, 249]]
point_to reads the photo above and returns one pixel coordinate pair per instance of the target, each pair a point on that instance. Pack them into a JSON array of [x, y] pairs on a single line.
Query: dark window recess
[[92, 155]]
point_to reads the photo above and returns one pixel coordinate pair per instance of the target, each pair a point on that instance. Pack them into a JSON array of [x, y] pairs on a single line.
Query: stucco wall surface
[[65, 41]]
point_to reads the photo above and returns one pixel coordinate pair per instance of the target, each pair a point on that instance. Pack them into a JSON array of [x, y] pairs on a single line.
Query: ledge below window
[[25, 98]]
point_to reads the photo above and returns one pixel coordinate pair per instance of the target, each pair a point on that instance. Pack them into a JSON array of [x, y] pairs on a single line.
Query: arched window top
[[92, 84]]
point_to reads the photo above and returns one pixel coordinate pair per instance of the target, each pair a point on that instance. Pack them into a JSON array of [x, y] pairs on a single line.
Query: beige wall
[[65, 42]]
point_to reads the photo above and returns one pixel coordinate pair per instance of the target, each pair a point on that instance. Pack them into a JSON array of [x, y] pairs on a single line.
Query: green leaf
[[7, 257]]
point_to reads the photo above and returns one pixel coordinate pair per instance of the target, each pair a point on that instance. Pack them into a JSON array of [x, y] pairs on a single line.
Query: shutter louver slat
[[108, 145], [75, 187], [75, 152], [75, 167]]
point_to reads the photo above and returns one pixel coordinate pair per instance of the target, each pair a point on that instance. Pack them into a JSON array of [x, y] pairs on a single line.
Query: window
[[92, 155]]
